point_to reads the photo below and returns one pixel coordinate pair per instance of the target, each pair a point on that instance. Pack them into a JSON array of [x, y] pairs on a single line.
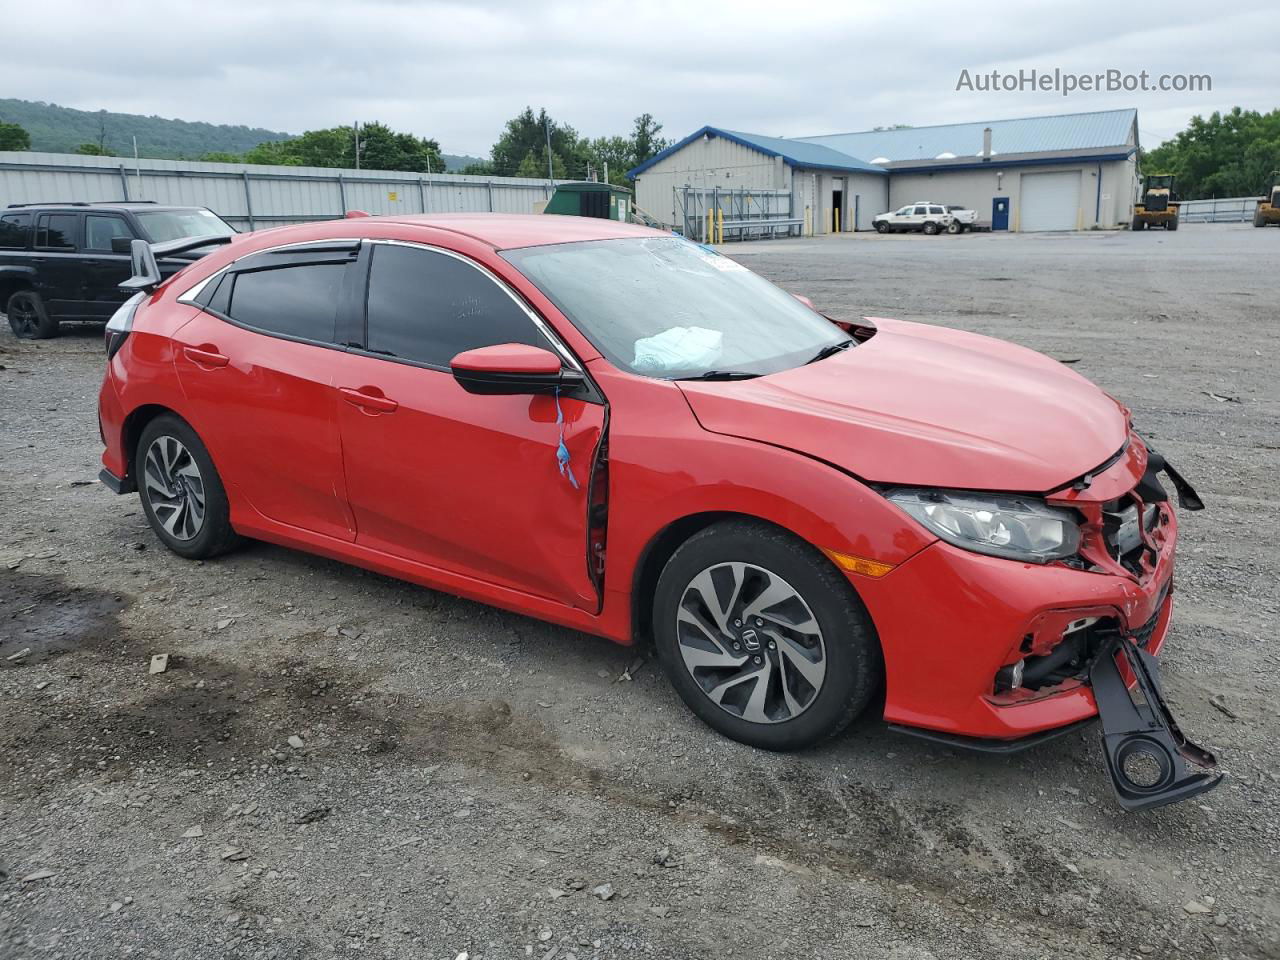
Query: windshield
[[665, 307], [165, 225]]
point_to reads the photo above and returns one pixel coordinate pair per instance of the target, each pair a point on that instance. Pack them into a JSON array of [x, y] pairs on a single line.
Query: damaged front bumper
[[1144, 747], [1064, 645]]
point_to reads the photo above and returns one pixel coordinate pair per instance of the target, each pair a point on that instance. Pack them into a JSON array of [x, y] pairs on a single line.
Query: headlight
[[1002, 525]]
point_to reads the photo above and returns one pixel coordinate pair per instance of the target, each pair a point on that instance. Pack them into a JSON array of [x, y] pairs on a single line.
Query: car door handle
[[368, 401], [206, 355]]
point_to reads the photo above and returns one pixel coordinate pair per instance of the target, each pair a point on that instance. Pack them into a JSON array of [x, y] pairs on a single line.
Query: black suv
[[65, 261]]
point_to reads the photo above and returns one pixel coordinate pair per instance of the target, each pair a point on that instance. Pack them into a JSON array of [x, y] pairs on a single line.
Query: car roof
[[504, 231], [139, 206]]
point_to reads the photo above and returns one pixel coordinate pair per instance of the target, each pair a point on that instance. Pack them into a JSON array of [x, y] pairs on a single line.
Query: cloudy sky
[[457, 71]]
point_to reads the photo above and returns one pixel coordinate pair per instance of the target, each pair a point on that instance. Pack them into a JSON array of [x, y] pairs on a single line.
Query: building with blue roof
[[1067, 172]]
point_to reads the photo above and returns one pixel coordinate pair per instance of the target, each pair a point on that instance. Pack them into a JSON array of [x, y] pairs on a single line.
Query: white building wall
[[707, 163], [1108, 208], [864, 193]]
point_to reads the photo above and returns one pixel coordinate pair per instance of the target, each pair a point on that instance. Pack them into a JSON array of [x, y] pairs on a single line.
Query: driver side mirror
[[507, 369]]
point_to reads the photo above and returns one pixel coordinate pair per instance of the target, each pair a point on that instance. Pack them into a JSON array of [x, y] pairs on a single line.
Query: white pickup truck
[[962, 218]]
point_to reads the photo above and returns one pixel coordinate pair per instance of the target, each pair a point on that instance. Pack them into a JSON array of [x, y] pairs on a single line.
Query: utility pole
[[356, 126], [550, 170], [137, 166]]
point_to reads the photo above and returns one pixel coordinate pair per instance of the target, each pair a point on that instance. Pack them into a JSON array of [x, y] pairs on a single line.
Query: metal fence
[[743, 214], [254, 196], [1226, 210]]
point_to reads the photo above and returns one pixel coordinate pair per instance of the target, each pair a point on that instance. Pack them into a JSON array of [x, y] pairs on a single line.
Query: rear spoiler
[[146, 273]]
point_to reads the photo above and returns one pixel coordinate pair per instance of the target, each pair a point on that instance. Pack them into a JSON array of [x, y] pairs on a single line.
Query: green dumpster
[[589, 199]]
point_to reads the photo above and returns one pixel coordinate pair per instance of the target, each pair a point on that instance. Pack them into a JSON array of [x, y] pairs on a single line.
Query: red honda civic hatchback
[[626, 433]]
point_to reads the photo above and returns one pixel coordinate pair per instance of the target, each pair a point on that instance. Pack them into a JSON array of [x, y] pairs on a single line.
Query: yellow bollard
[[708, 235], [720, 225], [808, 232], [836, 211]]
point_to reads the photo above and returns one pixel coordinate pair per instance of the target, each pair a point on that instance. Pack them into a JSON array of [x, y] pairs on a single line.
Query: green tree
[[220, 156], [645, 142], [274, 152], [14, 137], [1228, 155], [94, 150], [616, 155], [527, 134], [381, 148], [534, 164]]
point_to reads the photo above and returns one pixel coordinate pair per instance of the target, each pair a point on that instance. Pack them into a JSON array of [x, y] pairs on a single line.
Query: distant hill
[[56, 129], [455, 162]]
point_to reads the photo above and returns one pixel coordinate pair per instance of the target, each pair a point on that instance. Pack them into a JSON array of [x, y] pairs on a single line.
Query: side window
[[429, 307], [219, 298], [57, 231], [919, 211], [293, 301], [15, 230], [100, 230], [936, 210], [904, 212]]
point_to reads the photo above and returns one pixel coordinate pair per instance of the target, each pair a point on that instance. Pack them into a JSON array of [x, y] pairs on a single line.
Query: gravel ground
[[336, 763]]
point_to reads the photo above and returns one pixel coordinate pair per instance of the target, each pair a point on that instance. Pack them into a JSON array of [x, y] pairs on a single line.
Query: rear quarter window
[[15, 231]]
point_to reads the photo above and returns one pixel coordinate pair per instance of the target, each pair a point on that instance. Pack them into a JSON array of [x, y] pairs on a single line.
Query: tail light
[[121, 324]]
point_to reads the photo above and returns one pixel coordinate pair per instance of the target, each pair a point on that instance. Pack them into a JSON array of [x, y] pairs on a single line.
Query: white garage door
[[1050, 201]]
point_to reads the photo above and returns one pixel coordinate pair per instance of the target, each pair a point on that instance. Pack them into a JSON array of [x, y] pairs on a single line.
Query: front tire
[[182, 494], [954, 227], [28, 318], [763, 638], [882, 227]]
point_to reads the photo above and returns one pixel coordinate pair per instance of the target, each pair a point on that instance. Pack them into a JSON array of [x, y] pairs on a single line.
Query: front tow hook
[[1144, 747]]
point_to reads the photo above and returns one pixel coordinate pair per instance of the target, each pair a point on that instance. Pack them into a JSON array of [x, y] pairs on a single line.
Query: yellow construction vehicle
[[1159, 204], [1268, 211]]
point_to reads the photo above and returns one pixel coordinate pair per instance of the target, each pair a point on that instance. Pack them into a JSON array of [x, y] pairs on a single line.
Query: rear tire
[[1171, 224], [930, 228], [882, 227], [1138, 225], [1258, 221], [803, 664], [182, 494], [28, 318]]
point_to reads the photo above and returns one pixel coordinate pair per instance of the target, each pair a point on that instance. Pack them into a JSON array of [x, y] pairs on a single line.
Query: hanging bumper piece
[[1147, 755]]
